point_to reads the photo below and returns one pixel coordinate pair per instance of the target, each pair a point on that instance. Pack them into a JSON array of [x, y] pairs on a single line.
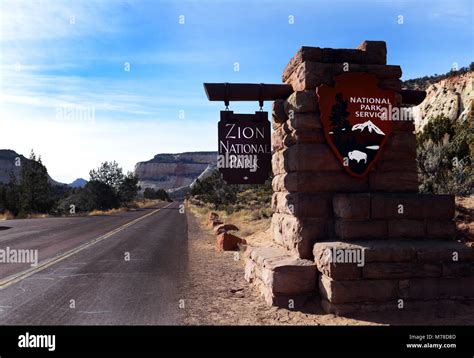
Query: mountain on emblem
[[353, 117], [369, 126]]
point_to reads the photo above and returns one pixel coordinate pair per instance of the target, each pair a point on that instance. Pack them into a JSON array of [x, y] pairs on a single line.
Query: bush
[[158, 194], [231, 198], [444, 153]]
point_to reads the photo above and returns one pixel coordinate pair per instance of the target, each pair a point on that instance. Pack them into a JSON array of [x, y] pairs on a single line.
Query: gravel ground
[[217, 294]]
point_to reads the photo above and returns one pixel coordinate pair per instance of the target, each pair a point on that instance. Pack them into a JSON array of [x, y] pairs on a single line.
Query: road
[[122, 269]]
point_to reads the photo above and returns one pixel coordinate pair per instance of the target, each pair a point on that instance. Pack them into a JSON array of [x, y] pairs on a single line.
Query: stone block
[[352, 206], [310, 75], [318, 205], [369, 52], [298, 235], [301, 102], [360, 229], [357, 290], [312, 182], [393, 181], [304, 121], [441, 229], [305, 158], [400, 270], [406, 228]]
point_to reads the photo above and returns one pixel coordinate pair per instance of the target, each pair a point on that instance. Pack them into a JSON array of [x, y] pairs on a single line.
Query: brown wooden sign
[[355, 115], [244, 147]]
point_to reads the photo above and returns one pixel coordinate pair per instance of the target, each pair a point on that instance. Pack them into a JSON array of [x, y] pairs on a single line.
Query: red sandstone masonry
[[314, 182], [317, 205], [305, 158], [368, 52], [310, 75]]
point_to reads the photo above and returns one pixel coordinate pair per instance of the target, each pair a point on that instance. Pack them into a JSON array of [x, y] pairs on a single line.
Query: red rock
[[228, 242], [225, 228]]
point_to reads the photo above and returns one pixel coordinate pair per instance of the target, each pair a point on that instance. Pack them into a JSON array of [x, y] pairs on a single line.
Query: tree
[[35, 188], [159, 194], [108, 173], [12, 195], [339, 115], [128, 188], [97, 195]]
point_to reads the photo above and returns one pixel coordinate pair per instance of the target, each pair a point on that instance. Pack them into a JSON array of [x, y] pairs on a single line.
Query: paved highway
[[119, 269]]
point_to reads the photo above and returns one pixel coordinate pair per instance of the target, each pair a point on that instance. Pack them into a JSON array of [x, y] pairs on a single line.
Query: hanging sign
[[244, 155]]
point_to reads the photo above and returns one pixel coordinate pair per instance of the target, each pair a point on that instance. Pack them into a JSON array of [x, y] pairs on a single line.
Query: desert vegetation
[[33, 195], [444, 152]]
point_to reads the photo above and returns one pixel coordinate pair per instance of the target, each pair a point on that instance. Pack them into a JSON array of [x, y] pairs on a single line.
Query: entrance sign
[[355, 115], [244, 147]]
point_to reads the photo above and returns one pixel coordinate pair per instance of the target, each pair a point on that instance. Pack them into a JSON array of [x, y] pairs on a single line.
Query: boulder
[[228, 242]]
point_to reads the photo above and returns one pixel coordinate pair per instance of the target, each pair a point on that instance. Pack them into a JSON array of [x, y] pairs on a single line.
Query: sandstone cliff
[[452, 97], [172, 171]]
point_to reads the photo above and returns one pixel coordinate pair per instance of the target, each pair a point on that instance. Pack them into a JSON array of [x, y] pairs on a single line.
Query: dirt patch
[[217, 294]]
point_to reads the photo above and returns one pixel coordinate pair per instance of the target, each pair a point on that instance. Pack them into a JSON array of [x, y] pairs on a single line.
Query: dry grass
[[139, 204], [106, 212], [6, 216], [253, 228]]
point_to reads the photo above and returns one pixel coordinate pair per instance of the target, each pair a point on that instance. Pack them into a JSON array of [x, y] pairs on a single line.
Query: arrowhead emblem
[[355, 115]]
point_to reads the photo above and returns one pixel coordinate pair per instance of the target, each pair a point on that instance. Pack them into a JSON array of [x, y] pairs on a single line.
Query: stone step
[[381, 260], [283, 279]]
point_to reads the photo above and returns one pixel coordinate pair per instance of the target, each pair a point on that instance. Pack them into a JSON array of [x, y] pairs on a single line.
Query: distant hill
[[78, 183], [173, 171], [422, 83], [8, 164]]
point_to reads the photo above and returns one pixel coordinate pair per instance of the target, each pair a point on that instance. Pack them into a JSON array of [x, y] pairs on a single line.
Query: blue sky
[[59, 56]]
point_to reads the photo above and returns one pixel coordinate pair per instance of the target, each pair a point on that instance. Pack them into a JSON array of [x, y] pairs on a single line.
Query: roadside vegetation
[[33, 195], [444, 152], [246, 206]]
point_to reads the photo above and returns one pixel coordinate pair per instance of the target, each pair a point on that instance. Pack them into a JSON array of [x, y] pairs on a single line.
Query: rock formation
[[452, 97], [173, 171]]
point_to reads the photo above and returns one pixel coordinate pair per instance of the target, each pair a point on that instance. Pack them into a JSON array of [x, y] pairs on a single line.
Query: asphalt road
[[119, 269]]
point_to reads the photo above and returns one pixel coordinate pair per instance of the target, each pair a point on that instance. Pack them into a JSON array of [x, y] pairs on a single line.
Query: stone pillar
[[318, 207]]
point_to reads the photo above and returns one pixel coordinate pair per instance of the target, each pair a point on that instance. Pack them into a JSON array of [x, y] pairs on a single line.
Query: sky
[[82, 82]]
